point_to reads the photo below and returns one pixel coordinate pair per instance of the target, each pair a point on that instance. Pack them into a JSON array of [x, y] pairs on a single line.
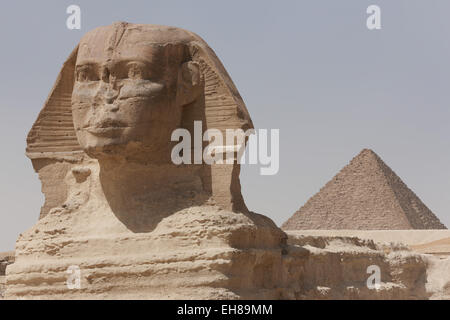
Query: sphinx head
[[121, 93], [131, 85]]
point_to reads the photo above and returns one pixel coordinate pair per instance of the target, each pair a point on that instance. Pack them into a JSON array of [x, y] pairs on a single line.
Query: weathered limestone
[[311, 267], [438, 278], [137, 225], [364, 195], [412, 254], [6, 258], [336, 268]]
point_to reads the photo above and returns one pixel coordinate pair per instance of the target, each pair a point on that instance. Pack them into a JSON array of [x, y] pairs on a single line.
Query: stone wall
[[309, 267], [6, 258], [337, 268]]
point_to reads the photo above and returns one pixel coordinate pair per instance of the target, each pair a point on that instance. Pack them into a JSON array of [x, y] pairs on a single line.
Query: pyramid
[[364, 195]]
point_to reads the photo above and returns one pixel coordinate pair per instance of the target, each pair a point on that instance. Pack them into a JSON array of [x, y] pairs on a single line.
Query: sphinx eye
[[86, 73], [136, 70]]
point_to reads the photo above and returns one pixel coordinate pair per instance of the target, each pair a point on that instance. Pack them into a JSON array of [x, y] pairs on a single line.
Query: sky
[[311, 69]]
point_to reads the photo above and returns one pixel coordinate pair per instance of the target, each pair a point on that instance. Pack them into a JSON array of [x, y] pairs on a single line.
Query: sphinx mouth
[[110, 123], [106, 127]]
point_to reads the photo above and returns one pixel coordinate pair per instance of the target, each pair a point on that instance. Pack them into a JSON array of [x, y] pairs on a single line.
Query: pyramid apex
[[367, 151], [365, 155]]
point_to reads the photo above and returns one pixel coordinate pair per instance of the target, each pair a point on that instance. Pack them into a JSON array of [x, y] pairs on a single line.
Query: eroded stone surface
[[136, 224], [336, 268], [308, 267], [6, 258]]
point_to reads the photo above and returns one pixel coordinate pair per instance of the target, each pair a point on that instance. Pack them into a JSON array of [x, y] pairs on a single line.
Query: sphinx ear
[[190, 83]]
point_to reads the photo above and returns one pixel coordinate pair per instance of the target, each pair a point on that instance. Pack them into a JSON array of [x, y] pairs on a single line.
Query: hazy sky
[[309, 68]]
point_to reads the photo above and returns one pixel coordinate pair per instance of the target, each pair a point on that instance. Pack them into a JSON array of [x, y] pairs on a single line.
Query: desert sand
[[411, 238], [439, 247]]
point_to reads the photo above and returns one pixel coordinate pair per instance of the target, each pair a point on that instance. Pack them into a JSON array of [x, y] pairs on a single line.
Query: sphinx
[[116, 207]]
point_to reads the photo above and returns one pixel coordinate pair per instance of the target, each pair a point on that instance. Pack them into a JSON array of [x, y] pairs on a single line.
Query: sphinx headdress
[[53, 147]]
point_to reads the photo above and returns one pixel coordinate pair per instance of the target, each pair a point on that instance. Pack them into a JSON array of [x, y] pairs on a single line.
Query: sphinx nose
[[112, 107], [111, 95]]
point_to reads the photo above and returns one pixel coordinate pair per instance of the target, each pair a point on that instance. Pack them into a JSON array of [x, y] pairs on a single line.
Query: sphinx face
[[124, 95]]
